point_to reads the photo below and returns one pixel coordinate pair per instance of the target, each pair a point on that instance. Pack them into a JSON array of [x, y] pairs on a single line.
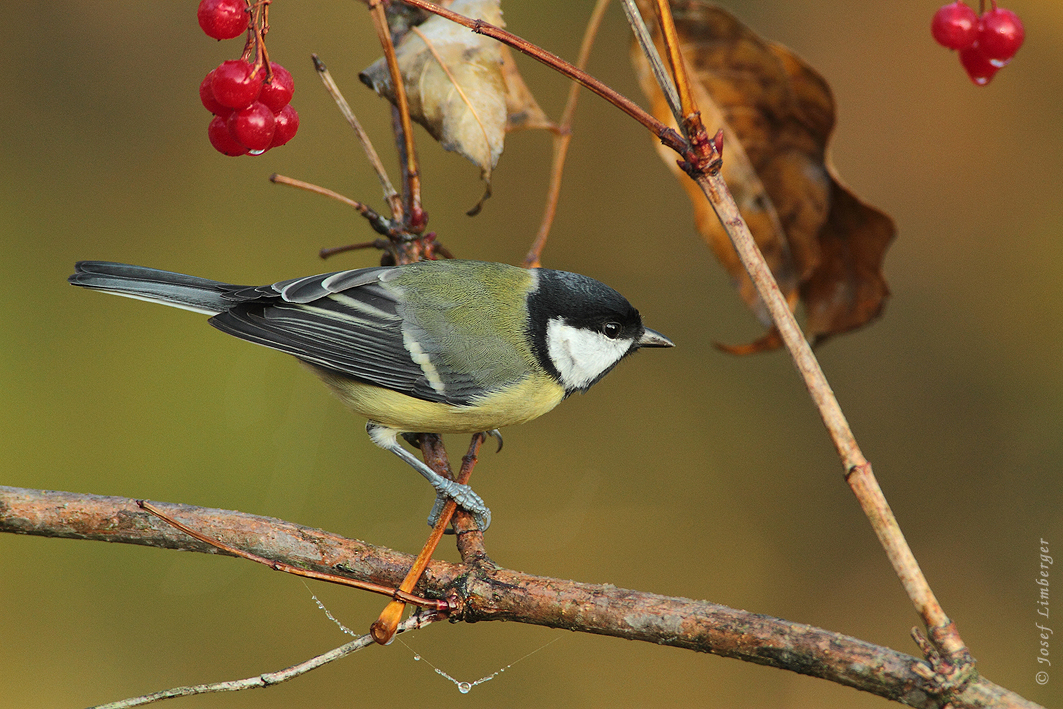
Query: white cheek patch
[[581, 356]]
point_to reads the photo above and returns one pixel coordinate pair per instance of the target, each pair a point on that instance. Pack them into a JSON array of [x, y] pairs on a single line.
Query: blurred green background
[[686, 472]]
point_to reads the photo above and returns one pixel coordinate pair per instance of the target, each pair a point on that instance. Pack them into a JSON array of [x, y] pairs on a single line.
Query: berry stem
[[256, 38], [261, 28]]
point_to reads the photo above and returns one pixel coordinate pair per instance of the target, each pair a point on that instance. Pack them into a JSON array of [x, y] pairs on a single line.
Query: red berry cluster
[[986, 42], [250, 102]]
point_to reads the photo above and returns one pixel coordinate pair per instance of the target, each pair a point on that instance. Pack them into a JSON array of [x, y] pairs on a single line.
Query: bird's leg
[[383, 630], [437, 507], [463, 495]]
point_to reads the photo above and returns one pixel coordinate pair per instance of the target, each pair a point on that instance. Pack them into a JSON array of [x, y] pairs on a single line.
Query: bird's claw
[[497, 435], [466, 499]]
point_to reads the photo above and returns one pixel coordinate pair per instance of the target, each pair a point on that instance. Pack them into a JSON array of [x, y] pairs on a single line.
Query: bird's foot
[[465, 498]]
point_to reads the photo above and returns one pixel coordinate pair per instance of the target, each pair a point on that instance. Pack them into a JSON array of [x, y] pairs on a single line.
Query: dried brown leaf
[[454, 83], [823, 244]]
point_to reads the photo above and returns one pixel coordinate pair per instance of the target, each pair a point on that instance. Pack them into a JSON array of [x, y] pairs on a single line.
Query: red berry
[[253, 126], [277, 93], [1000, 34], [206, 96], [978, 67], [235, 84], [222, 19], [955, 26], [287, 123], [223, 142]]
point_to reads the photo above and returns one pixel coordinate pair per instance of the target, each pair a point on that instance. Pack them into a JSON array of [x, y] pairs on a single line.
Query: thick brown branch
[[480, 593], [102, 518]]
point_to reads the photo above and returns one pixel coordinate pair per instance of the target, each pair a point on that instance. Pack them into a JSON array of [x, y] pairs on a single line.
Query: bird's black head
[[581, 328]]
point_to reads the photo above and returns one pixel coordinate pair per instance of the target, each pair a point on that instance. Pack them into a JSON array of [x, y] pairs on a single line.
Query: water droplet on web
[[466, 687]]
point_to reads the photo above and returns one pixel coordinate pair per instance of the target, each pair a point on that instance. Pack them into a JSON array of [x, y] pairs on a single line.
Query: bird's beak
[[652, 338]]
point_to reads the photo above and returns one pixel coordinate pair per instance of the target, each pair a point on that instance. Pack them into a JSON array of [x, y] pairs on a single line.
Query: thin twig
[[470, 536], [258, 27], [701, 155], [858, 471], [687, 104], [390, 194], [330, 251], [267, 679], [405, 596], [381, 225], [363, 209], [664, 79], [562, 140], [416, 220]]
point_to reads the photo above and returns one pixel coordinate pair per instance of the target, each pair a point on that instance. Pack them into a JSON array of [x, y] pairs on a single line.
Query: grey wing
[[346, 322]]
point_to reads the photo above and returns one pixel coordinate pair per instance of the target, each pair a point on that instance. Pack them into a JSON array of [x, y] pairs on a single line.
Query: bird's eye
[[611, 330]]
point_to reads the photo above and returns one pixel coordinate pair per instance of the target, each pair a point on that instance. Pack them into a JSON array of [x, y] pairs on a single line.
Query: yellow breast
[[529, 399]]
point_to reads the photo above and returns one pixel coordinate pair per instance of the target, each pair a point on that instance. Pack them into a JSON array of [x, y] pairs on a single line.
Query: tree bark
[[480, 592]]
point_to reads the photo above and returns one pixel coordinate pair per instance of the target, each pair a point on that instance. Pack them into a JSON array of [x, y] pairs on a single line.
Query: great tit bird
[[431, 347]]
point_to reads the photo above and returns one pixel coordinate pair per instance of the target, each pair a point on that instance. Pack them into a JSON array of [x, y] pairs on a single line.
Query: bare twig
[[267, 679], [257, 28], [390, 195], [687, 104], [858, 470], [401, 595], [381, 225], [330, 251], [562, 140], [664, 80], [470, 536], [416, 219]]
